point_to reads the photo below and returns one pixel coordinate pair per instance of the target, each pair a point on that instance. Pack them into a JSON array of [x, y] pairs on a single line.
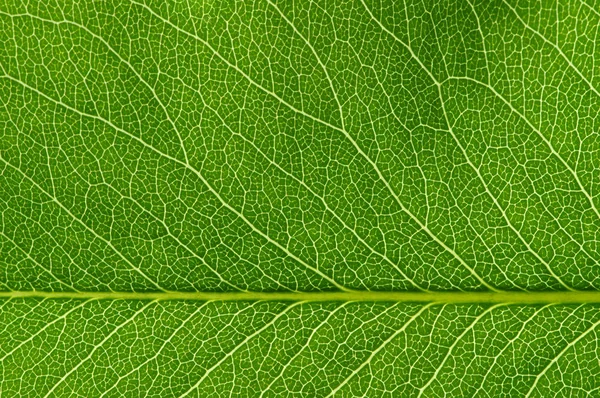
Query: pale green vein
[[158, 351], [539, 133], [237, 347], [284, 367], [187, 166], [579, 296], [480, 31], [379, 349], [96, 347], [343, 131], [509, 344], [558, 356], [270, 163], [438, 85], [494, 200], [183, 244], [30, 258], [301, 182], [141, 79], [79, 221], [119, 57], [46, 326], [592, 9], [72, 262], [556, 47], [478, 233], [589, 84], [453, 345]]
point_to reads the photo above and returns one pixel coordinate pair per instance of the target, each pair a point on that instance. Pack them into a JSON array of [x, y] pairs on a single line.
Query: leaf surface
[[354, 198]]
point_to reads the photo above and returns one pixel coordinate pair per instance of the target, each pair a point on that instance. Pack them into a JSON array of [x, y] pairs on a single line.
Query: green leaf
[[338, 198], [88, 348]]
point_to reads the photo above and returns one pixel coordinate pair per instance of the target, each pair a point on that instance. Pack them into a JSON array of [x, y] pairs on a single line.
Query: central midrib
[[443, 297]]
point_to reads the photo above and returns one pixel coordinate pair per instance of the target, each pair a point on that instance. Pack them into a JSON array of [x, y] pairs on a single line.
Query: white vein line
[[189, 167], [6, 278], [235, 67], [557, 48], [306, 344], [590, 7], [470, 327], [28, 255], [342, 121], [393, 35], [538, 132], [194, 254], [168, 229], [559, 355], [319, 61], [483, 241], [68, 22], [241, 344], [91, 353], [98, 236], [46, 326], [315, 194], [589, 197], [46, 150], [308, 188], [25, 315], [9, 300], [326, 205], [503, 212], [112, 50], [496, 203], [508, 344], [53, 239], [378, 349], [343, 131], [159, 350], [83, 269], [487, 64]]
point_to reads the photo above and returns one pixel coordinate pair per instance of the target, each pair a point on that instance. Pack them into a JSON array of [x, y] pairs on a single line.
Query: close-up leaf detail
[[354, 198]]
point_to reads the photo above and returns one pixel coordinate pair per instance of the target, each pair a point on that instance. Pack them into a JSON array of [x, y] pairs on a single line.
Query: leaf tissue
[[299, 198]]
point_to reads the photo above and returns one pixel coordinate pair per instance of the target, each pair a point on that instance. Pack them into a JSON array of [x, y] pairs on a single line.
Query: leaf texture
[[149, 348], [281, 147]]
